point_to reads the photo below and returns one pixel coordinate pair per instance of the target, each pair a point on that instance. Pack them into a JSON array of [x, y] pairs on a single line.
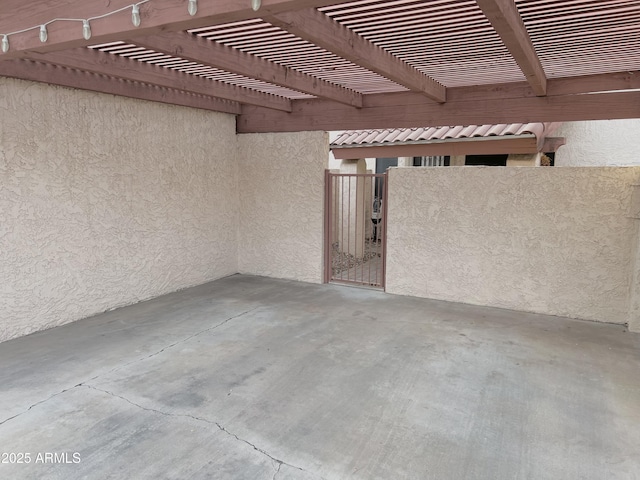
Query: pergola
[[294, 65]]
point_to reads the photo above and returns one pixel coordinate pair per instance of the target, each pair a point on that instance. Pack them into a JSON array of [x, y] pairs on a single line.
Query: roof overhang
[[527, 143], [515, 138]]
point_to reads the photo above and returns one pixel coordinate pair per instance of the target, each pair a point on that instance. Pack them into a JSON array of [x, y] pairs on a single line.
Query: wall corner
[[633, 317]]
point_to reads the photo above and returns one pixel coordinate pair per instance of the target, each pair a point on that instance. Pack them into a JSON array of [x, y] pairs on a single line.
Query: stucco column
[[457, 160], [351, 216], [523, 160]]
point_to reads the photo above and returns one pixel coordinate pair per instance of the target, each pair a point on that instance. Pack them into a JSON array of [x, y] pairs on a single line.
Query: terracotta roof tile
[[399, 135]]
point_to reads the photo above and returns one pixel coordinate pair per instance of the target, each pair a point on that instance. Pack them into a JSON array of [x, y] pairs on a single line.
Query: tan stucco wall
[[281, 204], [599, 143], [106, 201], [546, 240]]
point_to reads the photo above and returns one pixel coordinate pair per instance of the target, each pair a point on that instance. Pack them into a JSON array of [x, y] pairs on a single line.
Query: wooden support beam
[[325, 32], [196, 49], [413, 110], [605, 82], [122, 67], [55, 75], [156, 16], [506, 20]]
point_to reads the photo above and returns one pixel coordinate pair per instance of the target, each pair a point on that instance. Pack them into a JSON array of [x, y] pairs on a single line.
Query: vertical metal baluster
[[349, 230], [327, 224], [370, 224], [336, 201], [383, 257], [342, 223]]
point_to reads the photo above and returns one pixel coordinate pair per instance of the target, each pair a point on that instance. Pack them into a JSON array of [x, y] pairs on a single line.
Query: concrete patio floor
[[255, 378]]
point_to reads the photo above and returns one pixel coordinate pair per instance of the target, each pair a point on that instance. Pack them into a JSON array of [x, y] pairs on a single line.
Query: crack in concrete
[[277, 471], [39, 403], [278, 461], [84, 382], [186, 339]]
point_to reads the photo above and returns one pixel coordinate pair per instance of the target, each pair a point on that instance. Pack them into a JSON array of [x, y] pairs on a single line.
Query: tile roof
[[426, 134]]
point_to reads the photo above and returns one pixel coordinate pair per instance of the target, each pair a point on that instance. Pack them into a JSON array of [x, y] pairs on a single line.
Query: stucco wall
[[599, 143], [547, 240], [106, 201], [281, 204]]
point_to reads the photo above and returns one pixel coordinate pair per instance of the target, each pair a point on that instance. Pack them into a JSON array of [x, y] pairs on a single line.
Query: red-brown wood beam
[[157, 16], [55, 75], [413, 110], [122, 67], [506, 20], [196, 49], [605, 82], [325, 32]]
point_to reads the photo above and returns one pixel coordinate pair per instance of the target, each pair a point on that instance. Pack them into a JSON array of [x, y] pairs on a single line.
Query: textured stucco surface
[[546, 240], [599, 143], [281, 204], [107, 201]]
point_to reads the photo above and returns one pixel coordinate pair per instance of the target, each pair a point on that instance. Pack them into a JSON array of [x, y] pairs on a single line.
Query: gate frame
[[328, 230]]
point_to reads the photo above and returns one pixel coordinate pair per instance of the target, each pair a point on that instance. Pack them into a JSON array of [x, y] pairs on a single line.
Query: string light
[[135, 15], [86, 27], [192, 7], [255, 4], [43, 33]]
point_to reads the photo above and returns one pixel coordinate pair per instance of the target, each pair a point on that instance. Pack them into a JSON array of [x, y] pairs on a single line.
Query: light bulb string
[[80, 20], [192, 7]]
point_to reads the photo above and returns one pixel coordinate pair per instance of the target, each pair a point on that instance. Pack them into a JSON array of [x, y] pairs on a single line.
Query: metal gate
[[355, 228]]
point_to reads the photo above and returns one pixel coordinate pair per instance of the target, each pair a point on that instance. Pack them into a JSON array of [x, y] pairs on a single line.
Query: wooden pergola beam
[[157, 16], [55, 75], [604, 82], [413, 110], [317, 28], [506, 20], [121, 67], [196, 49]]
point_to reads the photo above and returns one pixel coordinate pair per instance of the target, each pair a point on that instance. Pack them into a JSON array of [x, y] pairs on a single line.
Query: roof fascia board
[[408, 111], [491, 146], [436, 141], [42, 72]]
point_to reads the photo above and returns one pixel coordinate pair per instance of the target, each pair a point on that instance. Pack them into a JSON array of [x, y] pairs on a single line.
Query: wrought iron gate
[[355, 228]]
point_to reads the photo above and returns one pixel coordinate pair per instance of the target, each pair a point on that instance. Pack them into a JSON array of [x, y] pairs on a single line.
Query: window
[[489, 160], [432, 161]]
